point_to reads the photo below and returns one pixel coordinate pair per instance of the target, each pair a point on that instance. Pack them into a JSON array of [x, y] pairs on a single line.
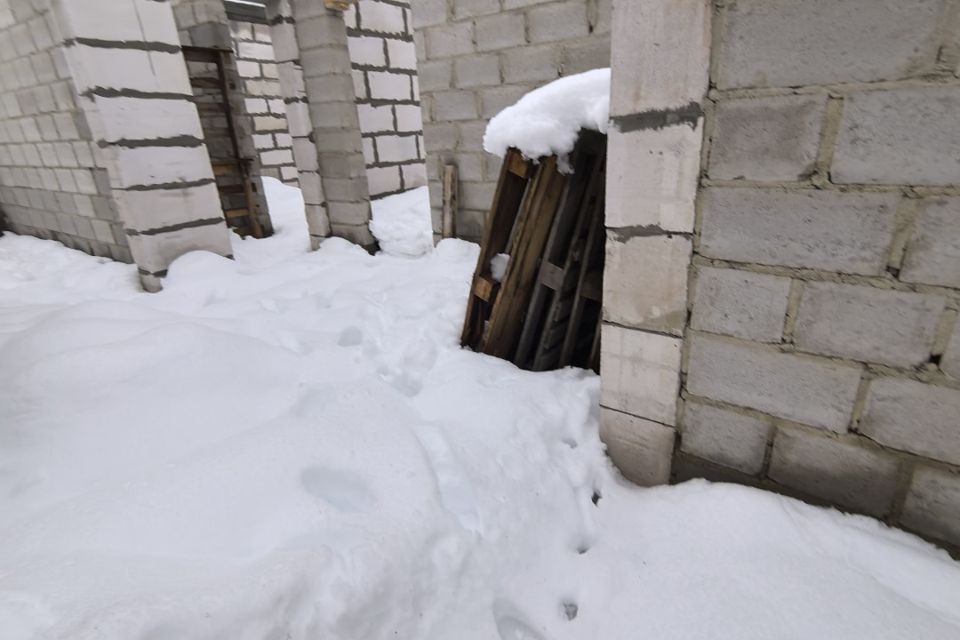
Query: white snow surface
[[548, 120], [401, 223], [292, 445], [498, 266]]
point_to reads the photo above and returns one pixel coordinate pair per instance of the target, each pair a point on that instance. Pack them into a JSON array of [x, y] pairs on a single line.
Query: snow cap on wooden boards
[[548, 120]]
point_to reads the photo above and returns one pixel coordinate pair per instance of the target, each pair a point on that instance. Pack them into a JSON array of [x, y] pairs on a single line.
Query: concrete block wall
[[53, 176], [139, 184], [137, 101], [384, 62], [260, 85], [803, 214], [316, 77], [476, 57], [659, 74], [294, 90], [204, 23], [822, 301]]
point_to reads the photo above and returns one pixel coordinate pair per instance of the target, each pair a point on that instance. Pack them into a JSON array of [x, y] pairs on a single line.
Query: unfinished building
[[144, 136], [782, 267], [783, 190], [783, 215]]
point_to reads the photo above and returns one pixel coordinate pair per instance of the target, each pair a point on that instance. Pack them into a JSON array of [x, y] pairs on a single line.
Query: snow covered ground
[[292, 445]]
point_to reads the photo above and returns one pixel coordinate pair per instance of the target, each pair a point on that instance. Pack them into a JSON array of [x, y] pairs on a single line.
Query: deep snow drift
[[399, 224], [291, 445]]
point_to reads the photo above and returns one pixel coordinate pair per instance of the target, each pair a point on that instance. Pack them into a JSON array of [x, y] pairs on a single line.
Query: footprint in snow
[[342, 489], [510, 623], [350, 337]]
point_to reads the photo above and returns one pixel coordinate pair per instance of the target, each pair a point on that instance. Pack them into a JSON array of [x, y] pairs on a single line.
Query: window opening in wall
[[232, 171], [537, 288]]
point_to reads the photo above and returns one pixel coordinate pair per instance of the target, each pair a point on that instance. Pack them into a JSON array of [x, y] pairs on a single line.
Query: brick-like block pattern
[[640, 448], [784, 43], [191, 14], [901, 136], [97, 101], [829, 230], [659, 71], [160, 208], [742, 304], [652, 177], [332, 120], [767, 138], [838, 470], [257, 67], [725, 437], [384, 62], [476, 57], [641, 373], [337, 113], [933, 503], [820, 393], [53, 173], [933, 252], [912, 416], [646, 282], [867, 324], [204, 23], [670, 68]]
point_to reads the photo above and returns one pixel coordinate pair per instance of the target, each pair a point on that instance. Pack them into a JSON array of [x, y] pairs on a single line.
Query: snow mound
[[295, 446], [401, 223], [289, 219], [548, 120]]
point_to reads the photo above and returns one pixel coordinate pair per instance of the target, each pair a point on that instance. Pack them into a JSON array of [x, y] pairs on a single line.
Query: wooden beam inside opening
[[450, 201]]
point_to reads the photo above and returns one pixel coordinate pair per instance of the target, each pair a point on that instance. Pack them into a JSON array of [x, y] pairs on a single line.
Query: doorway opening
[[236, 185]]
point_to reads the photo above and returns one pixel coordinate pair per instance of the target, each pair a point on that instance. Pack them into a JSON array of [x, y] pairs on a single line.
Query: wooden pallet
[[545, 312], [515, 176]]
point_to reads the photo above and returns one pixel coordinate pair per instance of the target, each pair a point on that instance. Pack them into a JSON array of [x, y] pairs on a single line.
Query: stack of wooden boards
[[544, 311]]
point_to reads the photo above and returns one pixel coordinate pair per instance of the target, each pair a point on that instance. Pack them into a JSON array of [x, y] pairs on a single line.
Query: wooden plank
[[551, 276], [592, 288], [508, 199], [451, 196], [255, 226], [593, 361], [485, 288], [589, 285], [504, 238], [225, 168], [543, 311], [562, 256], [511, 305], [517, 165]]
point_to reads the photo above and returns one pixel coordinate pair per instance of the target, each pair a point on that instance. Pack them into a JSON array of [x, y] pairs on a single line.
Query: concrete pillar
[[293, 88], [660, 57], [315, 75], [146, 131]]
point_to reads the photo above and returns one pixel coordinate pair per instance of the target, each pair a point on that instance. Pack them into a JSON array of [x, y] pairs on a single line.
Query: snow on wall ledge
[[548, 120]]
